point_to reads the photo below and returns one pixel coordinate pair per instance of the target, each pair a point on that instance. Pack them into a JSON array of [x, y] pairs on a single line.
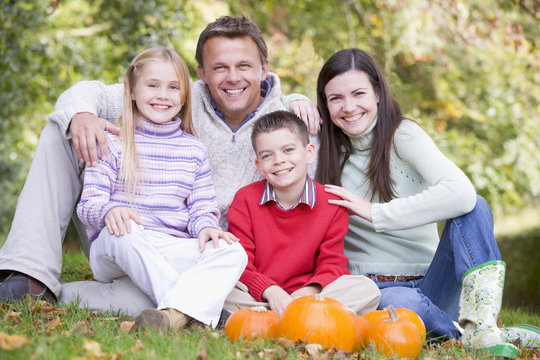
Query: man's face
[[233, 71]]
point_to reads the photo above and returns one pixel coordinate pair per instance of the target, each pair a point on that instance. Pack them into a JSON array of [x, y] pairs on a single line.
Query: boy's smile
[[282, 159]]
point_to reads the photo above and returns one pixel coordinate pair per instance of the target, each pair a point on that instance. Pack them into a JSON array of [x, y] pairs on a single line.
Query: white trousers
[[172, 272], [357, 292]]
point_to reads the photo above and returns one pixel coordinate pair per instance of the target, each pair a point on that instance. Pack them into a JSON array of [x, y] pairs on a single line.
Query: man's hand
[[87, 133], [277, 298], [308, 112]]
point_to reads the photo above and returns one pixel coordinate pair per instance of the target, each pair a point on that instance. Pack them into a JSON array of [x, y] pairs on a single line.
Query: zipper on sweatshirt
[[233, 139]]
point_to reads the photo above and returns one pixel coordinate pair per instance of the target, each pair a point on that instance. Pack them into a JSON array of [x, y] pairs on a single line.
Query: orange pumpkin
[[250, 323], [361, 327], [395, 336], [320, 320], [376, 315]]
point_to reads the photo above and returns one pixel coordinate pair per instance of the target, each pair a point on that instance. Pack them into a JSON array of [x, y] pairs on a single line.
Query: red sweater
[[288, 248]]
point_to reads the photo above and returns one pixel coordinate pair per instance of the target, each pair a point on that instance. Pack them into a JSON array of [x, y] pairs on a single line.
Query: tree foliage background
[[467, 71]]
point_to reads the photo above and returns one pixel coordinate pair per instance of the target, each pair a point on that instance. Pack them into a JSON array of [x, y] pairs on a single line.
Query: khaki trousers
[[356, 292]]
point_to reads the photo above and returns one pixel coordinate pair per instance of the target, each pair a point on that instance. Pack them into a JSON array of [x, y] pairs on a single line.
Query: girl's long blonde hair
[[131, 117]]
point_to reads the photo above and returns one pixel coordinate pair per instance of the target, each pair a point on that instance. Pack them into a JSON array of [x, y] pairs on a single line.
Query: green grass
[[66, 332]]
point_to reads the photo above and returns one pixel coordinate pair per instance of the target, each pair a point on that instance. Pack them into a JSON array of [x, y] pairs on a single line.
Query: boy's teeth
[[234, 91]]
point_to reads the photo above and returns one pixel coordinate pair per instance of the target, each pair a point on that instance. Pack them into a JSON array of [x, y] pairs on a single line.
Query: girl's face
[[157, 92], [352, 102]]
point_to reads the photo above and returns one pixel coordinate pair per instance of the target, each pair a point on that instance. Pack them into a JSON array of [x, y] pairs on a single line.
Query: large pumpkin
[[320, 320], [376, 315], [361, 327], [395, 336], [252, 323]]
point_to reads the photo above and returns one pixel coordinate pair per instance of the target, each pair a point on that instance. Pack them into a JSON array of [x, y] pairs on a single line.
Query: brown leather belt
[[385, 278]]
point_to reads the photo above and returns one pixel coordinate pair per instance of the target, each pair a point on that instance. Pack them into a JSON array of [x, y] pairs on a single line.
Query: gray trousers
[[44, 209]]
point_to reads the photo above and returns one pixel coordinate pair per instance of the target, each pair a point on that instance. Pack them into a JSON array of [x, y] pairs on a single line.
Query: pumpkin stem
[[318, 297], [259, 309], [393, 316]]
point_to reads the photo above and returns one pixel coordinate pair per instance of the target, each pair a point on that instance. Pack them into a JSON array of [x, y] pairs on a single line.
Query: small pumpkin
[[376, 315], [320, 320], [361, 327], [395, 336], [250, 323]]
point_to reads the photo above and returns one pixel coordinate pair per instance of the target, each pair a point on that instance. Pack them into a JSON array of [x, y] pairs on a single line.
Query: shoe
[[167, 319], [479, 305], [528, 335], [15, 285], [223, 317]]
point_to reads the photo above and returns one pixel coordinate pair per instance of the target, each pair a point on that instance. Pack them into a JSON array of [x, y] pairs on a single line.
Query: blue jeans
[[466, 241]]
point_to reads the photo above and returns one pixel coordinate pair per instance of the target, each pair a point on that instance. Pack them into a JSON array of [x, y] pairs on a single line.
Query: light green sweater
[[429, 187]]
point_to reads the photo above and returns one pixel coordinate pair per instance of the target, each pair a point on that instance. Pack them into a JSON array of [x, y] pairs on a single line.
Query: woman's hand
[[355, 204], [208, 234], [118, 219]]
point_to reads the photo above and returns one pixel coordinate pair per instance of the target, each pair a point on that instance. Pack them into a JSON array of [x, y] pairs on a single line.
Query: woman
[[397, 185]]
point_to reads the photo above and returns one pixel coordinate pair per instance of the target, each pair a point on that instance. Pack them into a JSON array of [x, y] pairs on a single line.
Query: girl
[[397, 185], [150, 207]]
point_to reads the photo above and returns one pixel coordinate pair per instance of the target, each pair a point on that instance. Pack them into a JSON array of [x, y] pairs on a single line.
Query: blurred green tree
[[468, 71]]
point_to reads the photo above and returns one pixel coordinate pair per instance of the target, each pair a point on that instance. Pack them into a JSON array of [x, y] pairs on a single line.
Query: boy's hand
[[118, 219], [87, 132], [208, 234], [277, 298], [309, 113], [306, 291], [356, 205]]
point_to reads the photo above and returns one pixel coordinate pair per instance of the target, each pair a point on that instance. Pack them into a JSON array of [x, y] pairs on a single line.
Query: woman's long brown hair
[[335, 146]]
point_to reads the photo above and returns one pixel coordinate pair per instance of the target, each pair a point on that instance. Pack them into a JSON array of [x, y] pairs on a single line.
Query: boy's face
[[282, 158]]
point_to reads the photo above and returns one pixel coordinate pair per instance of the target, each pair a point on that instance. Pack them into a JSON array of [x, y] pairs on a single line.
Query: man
[[236, 88]]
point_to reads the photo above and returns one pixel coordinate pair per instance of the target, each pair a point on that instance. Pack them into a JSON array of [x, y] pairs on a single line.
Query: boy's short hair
[[278, 120]]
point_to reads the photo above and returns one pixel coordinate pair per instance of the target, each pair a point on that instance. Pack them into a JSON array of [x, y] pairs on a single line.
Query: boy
[[292, 235]]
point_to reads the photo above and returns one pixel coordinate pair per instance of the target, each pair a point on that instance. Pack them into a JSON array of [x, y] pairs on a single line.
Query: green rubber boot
[[528, 335], [479, 305]]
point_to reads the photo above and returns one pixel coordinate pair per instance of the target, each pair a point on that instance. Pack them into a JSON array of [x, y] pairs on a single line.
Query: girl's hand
[[277, 298], [355, 204], [118, 219], [208, 234]]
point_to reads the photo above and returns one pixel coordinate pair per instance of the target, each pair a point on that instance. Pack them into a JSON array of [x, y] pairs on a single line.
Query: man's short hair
[[278, 120], [232, 28]]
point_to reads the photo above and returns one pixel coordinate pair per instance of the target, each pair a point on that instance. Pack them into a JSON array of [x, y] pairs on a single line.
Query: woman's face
[[352, 102]]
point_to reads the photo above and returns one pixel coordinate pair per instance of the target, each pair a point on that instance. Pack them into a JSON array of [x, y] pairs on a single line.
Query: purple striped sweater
[[175, 194]]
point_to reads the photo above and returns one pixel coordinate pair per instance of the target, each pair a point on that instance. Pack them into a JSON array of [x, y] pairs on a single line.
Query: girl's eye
[[265, 156], [288, 150]]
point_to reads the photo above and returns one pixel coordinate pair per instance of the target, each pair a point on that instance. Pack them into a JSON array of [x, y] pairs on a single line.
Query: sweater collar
[[308, 196], [162, 130], [364, 140]]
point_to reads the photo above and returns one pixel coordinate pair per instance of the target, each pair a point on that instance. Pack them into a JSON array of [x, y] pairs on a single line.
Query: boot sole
[[505, 350]]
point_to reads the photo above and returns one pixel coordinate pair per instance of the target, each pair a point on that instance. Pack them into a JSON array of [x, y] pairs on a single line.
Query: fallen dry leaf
[[126, 326], [11, 342], [138, 345], [313, 349], [13, 317], [81, 328], [55, 323], [202, 355]]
